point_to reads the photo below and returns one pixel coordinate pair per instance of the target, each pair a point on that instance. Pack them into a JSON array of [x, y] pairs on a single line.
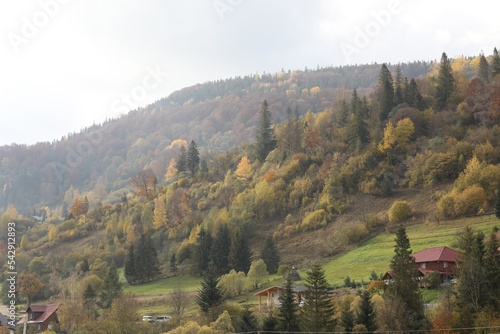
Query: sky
[[67, 64]]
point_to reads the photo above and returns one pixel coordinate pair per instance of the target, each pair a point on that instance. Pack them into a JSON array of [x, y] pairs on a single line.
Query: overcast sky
[[65, 64]]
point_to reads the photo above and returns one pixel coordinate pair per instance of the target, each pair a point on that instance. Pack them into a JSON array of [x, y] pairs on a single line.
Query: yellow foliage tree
[[397, 137], [244, 168], [171, 171], [160, 212]]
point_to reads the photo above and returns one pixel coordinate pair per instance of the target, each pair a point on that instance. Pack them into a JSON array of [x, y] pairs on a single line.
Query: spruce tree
[[366, 312], [192, 158], [210, 294], [112, 287], [317, 313], [484, 69], [491, 265], [385, 92], [181, 162], [398, 87], [495, 63], [288, 319], [130, 268], [221, 246], [248, 322], [202, 251], [240, 257], [405, 285], [147, 266], [445, 83], [173, 264], [346, 316], [89, 299], [270, 255], [265, 140]]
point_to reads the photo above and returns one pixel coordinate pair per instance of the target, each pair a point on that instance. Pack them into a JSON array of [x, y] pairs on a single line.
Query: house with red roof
[[42, 317], [441, 259]]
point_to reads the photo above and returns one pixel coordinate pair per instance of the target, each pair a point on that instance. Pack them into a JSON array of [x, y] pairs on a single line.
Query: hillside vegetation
[[341, 166]]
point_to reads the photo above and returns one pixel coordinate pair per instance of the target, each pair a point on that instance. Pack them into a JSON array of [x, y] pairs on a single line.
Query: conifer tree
[[221, 246], [343, 117], [173, 264], [181, 162], [405, 286], [202, 251], [210, 294], [130, 269], [288, 318], [112, 287], [413, 96], [240, 257], [266, 141], [270, 255], [192, 158], [366, 312], [346, 316], [492, 270], [495, 63], [398, 87], [248, 322], [89, 299], [497, 203], [445, 83], [317, 313], [147, 266], [484, 69], [385, 92]]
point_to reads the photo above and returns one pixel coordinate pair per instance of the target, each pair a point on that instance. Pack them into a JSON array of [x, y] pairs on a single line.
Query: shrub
[[355, 233], [446, 206], [399, 212], [471, 201], [314, 220]]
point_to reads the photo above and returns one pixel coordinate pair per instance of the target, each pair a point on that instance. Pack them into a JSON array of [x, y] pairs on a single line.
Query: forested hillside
[[158, 199], [100, 160]]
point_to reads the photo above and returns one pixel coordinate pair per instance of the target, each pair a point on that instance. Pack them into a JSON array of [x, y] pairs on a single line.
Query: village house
[[273, 293], [42, 317]]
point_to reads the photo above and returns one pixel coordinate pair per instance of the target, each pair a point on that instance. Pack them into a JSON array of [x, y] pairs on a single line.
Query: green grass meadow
[[376, 253]]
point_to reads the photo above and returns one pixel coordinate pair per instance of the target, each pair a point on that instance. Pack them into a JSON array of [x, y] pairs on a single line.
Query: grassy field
[[376, 253], [165, 286]]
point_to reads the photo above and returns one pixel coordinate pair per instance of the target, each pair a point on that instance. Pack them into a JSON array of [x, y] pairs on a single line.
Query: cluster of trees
[[142, 264]]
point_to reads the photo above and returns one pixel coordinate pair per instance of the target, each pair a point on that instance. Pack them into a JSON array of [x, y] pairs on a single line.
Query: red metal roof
[[436, 254], [47, 311]]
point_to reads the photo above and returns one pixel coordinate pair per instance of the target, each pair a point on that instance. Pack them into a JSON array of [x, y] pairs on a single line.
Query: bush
[[446, 206], [314, 220], [399, 212], [355, 233], [471, 201]]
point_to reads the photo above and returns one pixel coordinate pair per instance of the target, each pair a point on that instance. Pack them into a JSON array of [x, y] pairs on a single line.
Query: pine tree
[[147, 266], [484, 69], [89, 298], [413, 96], [317, 313], [210, 294], [192, 158], [385, 92], [357, 128], [405, 286], [288, 319], [343, 117], [202, 251], [445, 83], [240, 257], [366, 312], [398, 87], [346, 316], [266, 141], [181, 162], [112, 287], [130, 268], [248, 322], [491, 265], [495, 63], [221, 246], [270, 255]]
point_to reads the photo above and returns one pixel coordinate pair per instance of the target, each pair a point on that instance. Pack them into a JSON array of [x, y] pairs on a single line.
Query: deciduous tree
[[144, 183]]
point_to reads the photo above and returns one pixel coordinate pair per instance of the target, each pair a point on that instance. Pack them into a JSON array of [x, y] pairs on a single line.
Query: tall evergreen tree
[[385, 92], [181, 162], [173, 264], [317, 313], [357, 128], [492, 270], [89, 299], [210, 294], [192, 158], [495, 63], [147, 266], [240, 257], [413, 96], [248, 322], [366, 312], [221, 245], [343, 117], [266, 141], [398, 87], [270, 255], [112, 287], [347, 320], [288, 318], [130, 268], [445, 83], [405, 286], [484, 69], [202, 251]]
